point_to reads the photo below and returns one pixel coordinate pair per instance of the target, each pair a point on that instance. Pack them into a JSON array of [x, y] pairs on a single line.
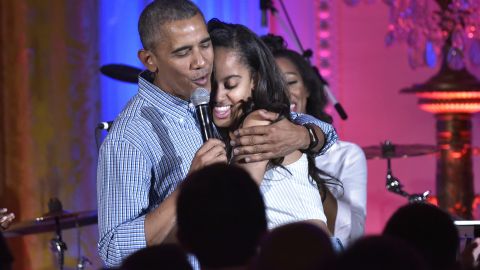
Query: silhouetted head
[[381, 253], [300, 246], [428, 229], [6, 258], [165, 256], [220, 216]]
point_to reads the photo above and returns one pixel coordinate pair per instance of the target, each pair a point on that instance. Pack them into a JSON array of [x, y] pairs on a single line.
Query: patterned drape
[[49, 104]]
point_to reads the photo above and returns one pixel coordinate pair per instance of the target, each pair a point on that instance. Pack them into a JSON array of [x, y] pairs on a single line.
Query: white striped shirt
[[291, 195], [146, 154]]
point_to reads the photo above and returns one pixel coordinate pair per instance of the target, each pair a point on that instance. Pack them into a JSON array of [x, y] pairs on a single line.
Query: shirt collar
[[159, 98]]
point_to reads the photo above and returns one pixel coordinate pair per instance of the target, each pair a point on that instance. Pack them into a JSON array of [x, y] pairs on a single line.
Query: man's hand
[[5, 218], [213, 151], [267, 142]]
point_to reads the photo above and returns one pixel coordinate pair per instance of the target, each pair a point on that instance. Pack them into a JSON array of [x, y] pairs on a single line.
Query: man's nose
[[198, 60]]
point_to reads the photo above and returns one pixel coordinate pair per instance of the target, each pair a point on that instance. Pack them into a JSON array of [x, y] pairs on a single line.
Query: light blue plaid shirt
[[146, 154]]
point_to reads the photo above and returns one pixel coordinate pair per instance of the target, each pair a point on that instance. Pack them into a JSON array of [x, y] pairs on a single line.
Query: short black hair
[[159, 12], [221, 215]]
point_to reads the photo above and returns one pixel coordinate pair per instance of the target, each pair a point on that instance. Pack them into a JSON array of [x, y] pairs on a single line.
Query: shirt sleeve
[[123, 185], [330, 134], [355, 185]]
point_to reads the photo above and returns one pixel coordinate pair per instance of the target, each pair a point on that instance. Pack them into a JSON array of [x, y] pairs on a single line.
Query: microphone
[[263, 8], [105, 125], [338, 107], [200, 99]]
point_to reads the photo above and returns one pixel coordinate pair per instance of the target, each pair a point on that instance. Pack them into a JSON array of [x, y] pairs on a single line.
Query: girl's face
[[234, 85], [297, 89]]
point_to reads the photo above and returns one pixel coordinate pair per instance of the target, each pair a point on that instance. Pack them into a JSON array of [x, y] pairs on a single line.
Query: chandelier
[[426, 25]]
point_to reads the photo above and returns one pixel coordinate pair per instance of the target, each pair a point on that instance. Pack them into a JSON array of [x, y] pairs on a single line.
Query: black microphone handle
[[264, 5], [203, 116], [263, 20], [338, 107]]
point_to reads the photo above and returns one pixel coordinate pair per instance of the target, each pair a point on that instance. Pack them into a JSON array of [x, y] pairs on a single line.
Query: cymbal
[[121, 72], [389, 150], [46, 223]]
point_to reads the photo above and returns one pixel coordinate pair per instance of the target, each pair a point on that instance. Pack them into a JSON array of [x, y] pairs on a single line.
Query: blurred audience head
[[165, 256], [6, 258], [430, 230], [220, 216], [300, 246], [381, 253]]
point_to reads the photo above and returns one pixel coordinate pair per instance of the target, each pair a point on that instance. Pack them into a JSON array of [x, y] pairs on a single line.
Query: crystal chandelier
[[426, 25]]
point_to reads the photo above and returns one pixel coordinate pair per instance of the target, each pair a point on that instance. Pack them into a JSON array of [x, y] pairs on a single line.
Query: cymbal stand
[[393, 185], [57, 245], [82, 260]]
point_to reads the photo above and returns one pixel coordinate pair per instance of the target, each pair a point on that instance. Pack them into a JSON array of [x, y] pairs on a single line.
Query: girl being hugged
[[246, 79]]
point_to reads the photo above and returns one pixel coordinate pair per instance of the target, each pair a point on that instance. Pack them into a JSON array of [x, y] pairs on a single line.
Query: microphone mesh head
[[200, 96]]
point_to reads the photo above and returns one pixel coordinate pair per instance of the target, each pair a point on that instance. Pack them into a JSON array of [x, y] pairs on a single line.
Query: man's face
[[183, 57]]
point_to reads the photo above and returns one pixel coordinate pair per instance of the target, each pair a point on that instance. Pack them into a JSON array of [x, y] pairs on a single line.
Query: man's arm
[[281, 138], [160, 223], [123, 185]]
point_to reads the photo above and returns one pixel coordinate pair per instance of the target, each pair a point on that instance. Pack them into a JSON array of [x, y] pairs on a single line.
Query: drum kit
[[57, 220]]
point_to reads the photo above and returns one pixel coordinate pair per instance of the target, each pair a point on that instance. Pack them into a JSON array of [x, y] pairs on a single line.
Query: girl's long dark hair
[[270, 91]]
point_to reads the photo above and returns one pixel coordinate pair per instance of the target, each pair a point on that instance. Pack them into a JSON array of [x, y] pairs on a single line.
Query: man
[[155, 141]]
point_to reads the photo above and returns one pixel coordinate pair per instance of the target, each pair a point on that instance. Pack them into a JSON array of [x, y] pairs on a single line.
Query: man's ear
[[148, 59]]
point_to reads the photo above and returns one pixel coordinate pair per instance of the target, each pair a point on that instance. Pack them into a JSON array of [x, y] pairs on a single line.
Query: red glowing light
[[449, 95], [456, 154], [433, 200], [451, 107]]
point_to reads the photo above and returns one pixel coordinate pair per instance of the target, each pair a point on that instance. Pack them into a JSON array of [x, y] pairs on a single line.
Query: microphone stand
[[307, 54]]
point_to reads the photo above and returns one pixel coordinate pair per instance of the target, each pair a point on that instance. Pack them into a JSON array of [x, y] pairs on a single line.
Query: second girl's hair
[[317, 100]]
